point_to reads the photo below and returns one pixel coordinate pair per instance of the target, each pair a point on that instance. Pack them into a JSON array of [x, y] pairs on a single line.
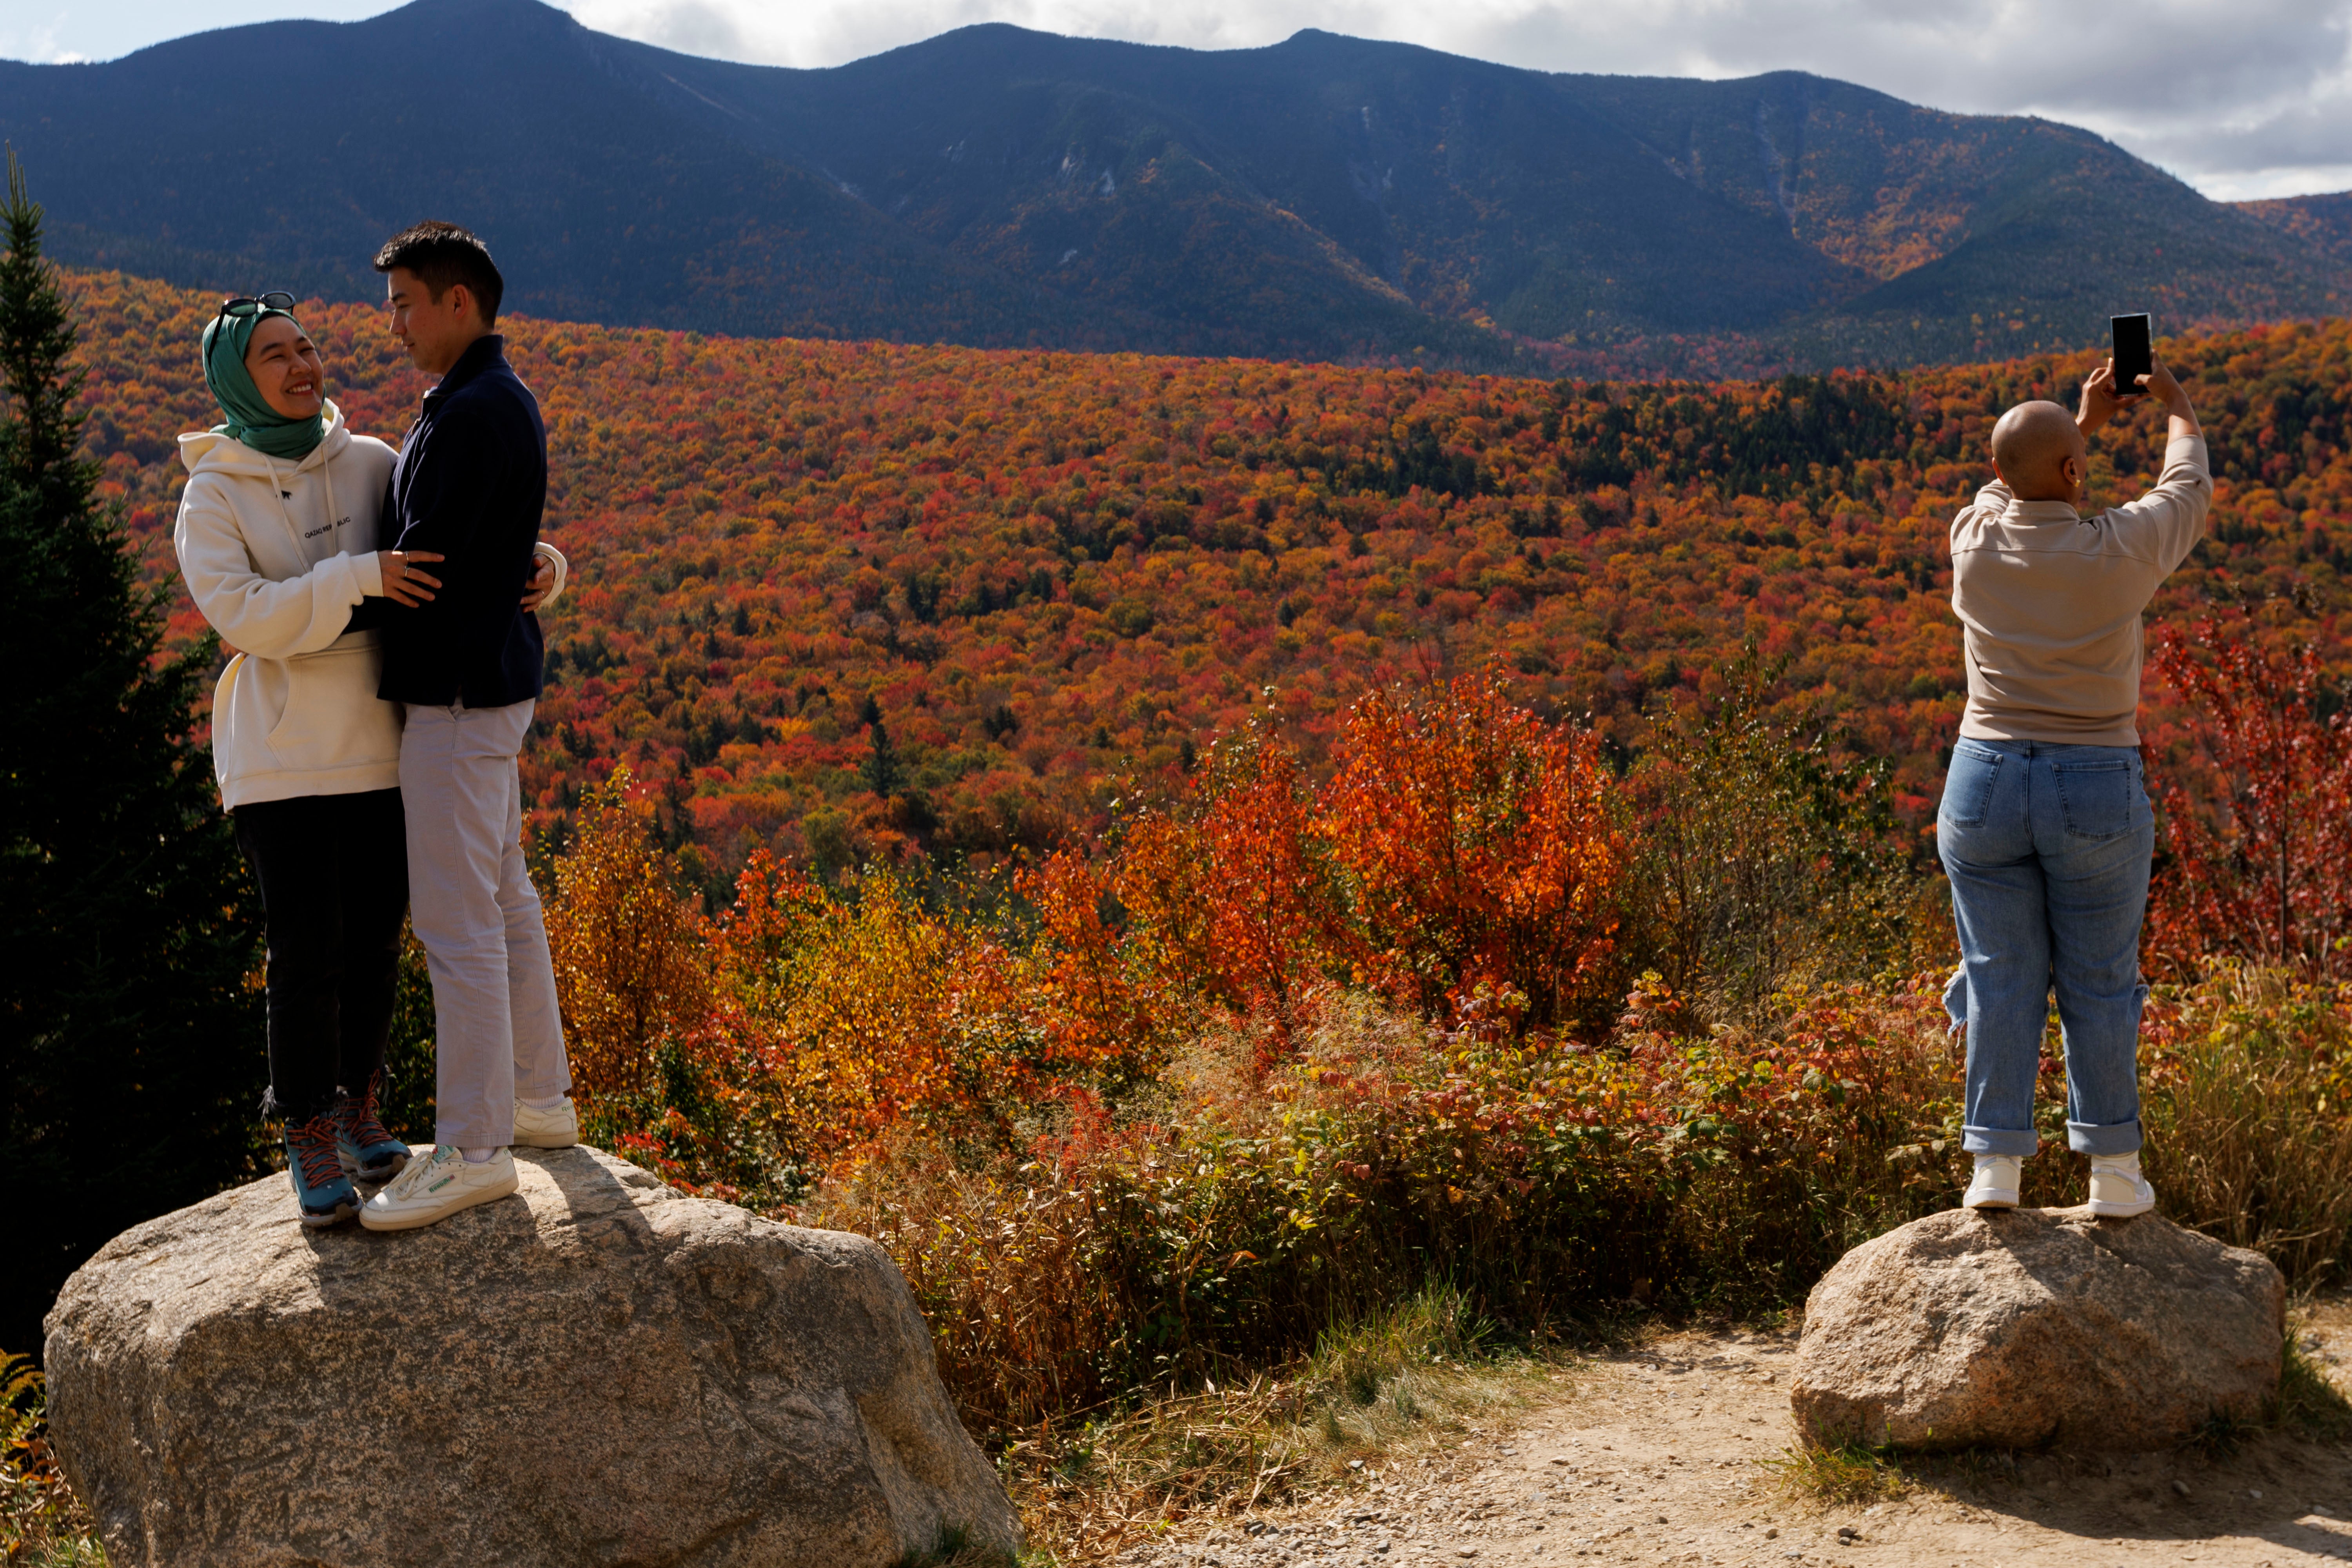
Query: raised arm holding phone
[[2045, 828]]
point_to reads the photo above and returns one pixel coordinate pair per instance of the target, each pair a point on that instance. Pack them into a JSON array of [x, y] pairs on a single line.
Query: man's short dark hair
[[438, 254]]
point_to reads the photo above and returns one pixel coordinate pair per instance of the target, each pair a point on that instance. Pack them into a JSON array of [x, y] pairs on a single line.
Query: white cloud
[[2241, 98], [39, 36]]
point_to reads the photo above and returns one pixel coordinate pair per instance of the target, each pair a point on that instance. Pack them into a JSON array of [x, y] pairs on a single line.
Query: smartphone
[[2133, 356]]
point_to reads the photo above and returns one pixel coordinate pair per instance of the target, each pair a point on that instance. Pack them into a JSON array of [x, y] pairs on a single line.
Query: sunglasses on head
[[254, 304]]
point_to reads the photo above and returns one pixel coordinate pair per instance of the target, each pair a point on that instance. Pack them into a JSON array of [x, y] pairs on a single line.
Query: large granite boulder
[[597, 1370], [2031, 1326]]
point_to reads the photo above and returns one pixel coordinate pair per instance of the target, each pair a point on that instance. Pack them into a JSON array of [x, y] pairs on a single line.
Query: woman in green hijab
[[291, 426], [276, 540]]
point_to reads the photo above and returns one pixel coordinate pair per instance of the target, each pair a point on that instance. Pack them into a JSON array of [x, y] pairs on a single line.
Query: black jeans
[[333, 870]]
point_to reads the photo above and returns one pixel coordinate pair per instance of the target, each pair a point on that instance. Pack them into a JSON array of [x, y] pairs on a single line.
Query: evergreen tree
[[882, 772], [131, 1049]]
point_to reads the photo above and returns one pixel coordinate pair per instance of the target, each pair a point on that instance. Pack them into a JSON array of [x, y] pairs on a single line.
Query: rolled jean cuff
[[2113, 1137], [2001, 1140]]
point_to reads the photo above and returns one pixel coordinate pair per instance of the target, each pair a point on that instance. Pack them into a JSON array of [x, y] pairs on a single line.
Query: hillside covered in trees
[[842, 600], [1323, 198]]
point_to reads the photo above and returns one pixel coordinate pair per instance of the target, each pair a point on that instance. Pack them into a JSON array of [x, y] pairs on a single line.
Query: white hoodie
[[277, 556]]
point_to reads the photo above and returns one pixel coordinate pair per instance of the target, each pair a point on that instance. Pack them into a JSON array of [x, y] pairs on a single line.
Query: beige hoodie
[[2050, 602], [277, 556]]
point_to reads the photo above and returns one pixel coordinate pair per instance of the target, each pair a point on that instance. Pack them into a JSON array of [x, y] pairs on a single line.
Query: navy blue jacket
[[470, 483]]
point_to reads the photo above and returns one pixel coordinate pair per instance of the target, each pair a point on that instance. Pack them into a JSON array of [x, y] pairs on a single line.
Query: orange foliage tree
[[1462, 843], [1479, 844], [672, 1058], [1092, 1001], [1234, 894], [627, 949]]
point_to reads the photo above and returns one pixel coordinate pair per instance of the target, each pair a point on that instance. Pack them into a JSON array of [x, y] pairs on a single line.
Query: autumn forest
[[849, 600]]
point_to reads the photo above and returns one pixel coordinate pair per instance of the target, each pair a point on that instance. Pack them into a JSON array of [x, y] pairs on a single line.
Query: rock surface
[[2033, 1326], [597, 1370]]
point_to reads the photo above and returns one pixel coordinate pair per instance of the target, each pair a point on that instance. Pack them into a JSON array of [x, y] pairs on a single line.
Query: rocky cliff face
[[598, 1371]]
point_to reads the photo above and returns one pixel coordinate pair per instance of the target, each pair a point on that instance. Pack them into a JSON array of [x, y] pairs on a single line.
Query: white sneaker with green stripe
[[433, 1188]]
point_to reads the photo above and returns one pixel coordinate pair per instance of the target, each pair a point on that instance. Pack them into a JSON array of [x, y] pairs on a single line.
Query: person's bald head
[[2039, 453]]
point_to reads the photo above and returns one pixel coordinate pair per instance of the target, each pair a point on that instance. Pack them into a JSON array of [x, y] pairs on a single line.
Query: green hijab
[[251, 418]]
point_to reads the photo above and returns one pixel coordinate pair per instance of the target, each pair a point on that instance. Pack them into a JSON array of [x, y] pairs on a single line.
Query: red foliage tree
[[2262, 866]]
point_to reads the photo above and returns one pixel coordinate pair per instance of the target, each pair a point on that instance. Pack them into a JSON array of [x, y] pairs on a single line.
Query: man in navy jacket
[[464, 656], [469, 486]]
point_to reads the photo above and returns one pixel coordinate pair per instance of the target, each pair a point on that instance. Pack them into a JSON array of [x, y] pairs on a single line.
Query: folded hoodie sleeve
[[264, 618], [563, 569]]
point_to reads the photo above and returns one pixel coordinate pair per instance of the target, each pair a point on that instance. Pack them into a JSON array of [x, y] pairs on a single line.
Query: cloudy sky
[[2241, 98]]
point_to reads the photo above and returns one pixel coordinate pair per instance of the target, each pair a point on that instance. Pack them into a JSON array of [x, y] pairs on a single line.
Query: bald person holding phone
[[2045, 828]]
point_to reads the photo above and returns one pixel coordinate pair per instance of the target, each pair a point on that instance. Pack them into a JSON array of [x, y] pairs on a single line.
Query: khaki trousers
[[496, 1034]]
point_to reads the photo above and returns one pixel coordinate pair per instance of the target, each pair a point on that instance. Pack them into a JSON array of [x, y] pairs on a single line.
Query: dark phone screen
[[2132, 355]]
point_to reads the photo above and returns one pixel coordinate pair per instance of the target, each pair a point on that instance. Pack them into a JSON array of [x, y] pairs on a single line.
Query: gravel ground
[[1653, 1459]]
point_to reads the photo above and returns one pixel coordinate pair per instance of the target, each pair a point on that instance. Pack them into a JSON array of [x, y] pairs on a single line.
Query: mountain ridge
[[1324, 197]]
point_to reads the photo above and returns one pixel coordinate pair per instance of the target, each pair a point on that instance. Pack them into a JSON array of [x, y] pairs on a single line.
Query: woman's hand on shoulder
[[402, 582], [543, 582]]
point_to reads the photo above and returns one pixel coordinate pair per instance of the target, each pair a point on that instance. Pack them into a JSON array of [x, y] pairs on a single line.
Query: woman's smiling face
[[285, 368]]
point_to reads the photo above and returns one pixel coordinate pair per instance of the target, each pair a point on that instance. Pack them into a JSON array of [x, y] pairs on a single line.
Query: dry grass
[[2248, 1137], [1369, 1398], [41, 1521]]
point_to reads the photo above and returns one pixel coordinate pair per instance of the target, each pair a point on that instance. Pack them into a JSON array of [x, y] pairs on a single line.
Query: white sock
[[549, 1103], [477, 1156]]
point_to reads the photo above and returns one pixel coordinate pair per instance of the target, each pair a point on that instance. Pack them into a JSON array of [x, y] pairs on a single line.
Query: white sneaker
[[2117, 1189], [557, 1127], [433, 1188], [1994, 1187]]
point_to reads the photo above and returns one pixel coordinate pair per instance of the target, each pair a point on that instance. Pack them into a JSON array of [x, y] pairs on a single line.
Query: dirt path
[[1653, 1460]]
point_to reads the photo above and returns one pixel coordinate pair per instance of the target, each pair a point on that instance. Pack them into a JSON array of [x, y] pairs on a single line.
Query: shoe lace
[[417, 1173], [361, 1125], [313, 1147]]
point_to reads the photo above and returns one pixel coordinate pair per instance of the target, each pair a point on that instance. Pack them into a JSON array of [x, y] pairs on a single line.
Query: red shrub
[[2263, 867]]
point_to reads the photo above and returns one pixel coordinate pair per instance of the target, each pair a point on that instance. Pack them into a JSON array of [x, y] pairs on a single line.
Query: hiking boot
[[1994, 1187], [2117, 1189], [557, 1127], [433, 1188], [322, 1193], [369, 1153]]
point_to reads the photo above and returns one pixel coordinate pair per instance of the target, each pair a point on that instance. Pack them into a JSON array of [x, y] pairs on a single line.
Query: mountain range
[[1325, 198]]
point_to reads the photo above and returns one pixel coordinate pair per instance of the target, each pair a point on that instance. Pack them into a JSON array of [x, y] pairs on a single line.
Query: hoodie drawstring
[[279, 489], [327, 472]]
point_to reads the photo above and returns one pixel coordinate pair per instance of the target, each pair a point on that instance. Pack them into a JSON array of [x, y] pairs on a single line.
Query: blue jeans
[[2047, 847]]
